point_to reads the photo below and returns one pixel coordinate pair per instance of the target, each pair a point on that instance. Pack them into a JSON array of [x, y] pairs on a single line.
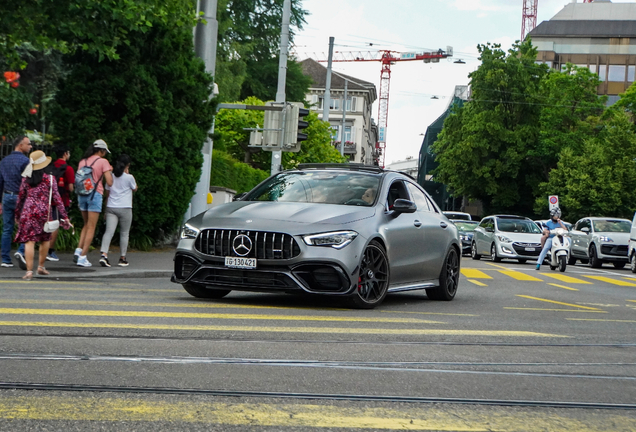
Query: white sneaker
[[82, 261], [76, 255]]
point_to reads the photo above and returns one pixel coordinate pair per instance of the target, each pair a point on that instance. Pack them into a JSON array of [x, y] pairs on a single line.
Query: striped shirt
[[11, 168]]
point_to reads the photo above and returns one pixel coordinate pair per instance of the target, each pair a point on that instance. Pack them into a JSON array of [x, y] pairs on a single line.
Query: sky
[[414, 26]]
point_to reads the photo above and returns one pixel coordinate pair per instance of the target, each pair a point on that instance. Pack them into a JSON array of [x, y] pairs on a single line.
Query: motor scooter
[[559, 254]]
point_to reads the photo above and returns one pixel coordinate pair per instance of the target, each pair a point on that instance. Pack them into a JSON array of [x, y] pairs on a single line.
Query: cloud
[[474, 5]]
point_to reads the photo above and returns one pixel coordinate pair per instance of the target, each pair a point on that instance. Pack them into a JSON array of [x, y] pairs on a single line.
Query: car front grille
[[520, 248], [246, 279], [614, 250], [263, 244]]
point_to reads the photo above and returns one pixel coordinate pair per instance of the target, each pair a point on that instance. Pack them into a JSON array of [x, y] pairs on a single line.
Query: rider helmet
[[555, 213]]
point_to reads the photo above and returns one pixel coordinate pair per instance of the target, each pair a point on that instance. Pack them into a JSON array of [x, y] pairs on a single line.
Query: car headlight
[[503, 238], [464, 237], [337, 239], [606, 239], [188, 231]]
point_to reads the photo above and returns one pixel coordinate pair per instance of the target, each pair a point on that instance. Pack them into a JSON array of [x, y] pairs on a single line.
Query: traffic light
[[271, 127], [295, 126]]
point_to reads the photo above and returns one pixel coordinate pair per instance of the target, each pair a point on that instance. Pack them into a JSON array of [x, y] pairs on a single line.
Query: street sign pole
[[553, 201], [282, 77]]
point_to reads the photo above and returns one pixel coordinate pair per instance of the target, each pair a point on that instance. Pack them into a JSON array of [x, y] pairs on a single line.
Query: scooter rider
[[553, 223]]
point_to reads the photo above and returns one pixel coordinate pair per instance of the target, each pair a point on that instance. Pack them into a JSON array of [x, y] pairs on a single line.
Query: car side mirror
[[488, 229], [404, 206], [239, 197], [586, 230]]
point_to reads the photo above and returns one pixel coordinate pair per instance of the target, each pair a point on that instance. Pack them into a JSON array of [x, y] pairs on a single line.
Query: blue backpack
[[84, 183]]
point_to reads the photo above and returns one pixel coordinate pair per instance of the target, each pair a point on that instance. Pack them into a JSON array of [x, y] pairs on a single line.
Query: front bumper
[[517, 250], [613, 253]]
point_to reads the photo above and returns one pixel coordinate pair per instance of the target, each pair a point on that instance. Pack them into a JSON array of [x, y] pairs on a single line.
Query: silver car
[[600, 240], [346, 230], [506, 236]]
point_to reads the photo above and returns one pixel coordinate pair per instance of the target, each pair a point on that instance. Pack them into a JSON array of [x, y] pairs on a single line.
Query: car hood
[[277, 216], [522, 237], [618, 237]]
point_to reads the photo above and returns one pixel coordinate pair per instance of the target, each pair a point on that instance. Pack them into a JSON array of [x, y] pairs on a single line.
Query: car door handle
[[417, 223], [443, 225]]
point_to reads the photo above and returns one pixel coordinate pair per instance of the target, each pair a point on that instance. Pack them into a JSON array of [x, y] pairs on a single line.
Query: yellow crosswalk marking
[[562, 286], [611, 281], [557, 302], [601, 320], [556, 310], [565, 278], [476, 282], [232, 316], [520, 276], [264, 329], [475, 274]]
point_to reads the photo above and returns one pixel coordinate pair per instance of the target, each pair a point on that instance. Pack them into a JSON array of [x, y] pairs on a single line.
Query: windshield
[[462, 216], [518, 226], [612, 225], [466, 226], [327, 187]]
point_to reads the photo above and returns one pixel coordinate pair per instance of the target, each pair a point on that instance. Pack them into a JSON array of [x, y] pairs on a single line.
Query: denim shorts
[[91, 205]]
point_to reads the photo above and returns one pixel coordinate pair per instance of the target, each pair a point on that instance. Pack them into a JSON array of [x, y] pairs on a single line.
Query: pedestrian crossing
[[482, 277]]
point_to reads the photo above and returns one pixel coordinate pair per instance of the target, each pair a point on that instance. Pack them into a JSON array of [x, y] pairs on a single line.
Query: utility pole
[[205, 48], [326, 101], [344, 118], [282, 76]]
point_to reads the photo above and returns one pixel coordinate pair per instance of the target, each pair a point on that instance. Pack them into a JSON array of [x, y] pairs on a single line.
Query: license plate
[[530, 249], [242, 263]]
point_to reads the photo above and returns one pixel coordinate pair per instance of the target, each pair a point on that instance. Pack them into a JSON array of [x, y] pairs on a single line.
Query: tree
[[248, 49], [600, 178], [153, 104], [484, 147]]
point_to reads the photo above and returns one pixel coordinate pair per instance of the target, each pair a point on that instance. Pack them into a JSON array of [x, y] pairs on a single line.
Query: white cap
[[100, 143]]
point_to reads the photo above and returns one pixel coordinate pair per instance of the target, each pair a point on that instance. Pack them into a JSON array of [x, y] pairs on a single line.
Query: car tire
[[473, 252], [572, 261], [522, 260], [562, 263], [594, 261], [493, 253], [619, 265], [200, 291], [448, 278], [373, 278], [632, 263]]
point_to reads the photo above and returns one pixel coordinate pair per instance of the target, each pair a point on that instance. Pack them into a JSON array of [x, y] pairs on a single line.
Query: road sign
[[553, 201]]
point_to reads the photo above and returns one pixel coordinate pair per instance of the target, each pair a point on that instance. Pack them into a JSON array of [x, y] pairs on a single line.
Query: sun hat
[[37, 161], [100, 143]]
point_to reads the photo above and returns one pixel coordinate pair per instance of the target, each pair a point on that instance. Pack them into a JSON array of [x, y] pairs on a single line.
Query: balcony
[[349, 147]]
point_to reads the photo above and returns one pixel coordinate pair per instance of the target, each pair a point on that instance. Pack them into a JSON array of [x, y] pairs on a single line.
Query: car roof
[[463, 221], [606, 218], [510, 217], [340, 166]]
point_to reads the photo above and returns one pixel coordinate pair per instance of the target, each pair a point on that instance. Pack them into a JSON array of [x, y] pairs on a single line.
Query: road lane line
[[520, 276], [602, 320], [225, 316], [262, 329], [189, 303], [475, 274], [476, 282], [556, 302], [427, 313], [611, 281], [216, 414], [101, 289], [566, 278], [562, 286], [557, 310]]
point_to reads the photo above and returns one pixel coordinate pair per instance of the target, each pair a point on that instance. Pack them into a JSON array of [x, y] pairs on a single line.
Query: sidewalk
[[156, 264]]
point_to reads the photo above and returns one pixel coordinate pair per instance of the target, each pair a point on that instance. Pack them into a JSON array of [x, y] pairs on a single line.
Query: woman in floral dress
[[32, 210]]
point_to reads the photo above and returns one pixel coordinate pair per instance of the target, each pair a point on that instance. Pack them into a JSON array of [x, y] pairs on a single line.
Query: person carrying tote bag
[[33, 210]]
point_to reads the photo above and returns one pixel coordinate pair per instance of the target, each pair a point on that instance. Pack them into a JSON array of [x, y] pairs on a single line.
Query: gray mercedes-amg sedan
[[345, 230]]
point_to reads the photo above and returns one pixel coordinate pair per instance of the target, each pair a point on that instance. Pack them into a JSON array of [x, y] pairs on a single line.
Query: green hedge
[[230, 173]]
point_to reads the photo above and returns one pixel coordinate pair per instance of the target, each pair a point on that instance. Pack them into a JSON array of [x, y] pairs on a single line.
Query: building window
[[593, 68], [351, 103], [334, 104], [336, 135], [630, 73], [616, 73], [602, 72]]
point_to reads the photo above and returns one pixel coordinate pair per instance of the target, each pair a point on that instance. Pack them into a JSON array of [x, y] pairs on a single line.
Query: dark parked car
[[466, 229], [344, 230]]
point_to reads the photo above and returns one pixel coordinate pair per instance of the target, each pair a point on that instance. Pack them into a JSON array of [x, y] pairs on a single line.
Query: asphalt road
[[518, 349]]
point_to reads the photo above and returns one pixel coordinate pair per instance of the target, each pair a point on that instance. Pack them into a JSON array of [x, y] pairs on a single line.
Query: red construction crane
[[387, 58], [528, 17]]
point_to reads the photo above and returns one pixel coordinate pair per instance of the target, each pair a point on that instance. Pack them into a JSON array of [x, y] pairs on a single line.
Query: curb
[[138, 274]]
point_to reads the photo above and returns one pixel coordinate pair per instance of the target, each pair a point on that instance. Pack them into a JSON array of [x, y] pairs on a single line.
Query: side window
[[396, 191], [418, 198], [484, 223]]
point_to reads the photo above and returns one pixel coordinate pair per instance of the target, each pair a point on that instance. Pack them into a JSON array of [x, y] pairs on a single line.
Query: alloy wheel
[[452, 272], [373, 281]]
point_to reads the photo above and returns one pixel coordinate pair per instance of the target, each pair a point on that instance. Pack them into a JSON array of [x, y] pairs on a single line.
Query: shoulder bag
[[51, 225]]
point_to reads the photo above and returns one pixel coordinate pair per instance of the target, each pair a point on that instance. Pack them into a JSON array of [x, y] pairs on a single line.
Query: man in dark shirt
[[11, 168], [65, 185]]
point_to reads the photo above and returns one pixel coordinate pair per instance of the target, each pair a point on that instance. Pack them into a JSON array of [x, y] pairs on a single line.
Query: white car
[[601, 240], [457, 215], [506, 236]]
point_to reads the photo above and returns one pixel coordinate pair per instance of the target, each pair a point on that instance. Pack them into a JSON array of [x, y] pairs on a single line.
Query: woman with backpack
[[90, 191], [37, 196], [119, 210]]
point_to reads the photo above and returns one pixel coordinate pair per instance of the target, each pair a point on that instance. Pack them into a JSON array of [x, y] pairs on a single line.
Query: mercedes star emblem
[[242, 245]]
